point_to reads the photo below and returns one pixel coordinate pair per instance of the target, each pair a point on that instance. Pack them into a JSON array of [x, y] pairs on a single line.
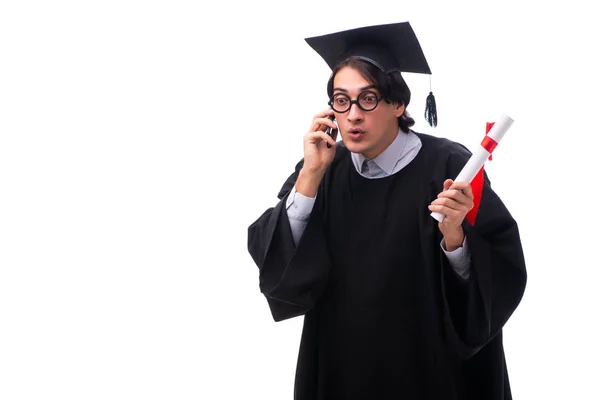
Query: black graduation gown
[[385, 316]]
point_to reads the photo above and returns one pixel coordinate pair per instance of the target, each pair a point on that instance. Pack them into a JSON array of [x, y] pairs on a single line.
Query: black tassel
[[431, 110]]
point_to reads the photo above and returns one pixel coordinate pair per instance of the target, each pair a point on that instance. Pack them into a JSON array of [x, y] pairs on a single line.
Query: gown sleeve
[[477, 309], [291, 277]]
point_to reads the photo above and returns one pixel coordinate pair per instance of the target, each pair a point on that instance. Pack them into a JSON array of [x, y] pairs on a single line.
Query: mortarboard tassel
[[431, 110], [430, 107]]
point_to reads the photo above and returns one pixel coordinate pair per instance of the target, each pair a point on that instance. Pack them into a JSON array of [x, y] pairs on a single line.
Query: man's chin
[[354, 147]]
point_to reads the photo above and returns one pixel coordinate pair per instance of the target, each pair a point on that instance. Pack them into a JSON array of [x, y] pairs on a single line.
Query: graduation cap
[[390, 47]]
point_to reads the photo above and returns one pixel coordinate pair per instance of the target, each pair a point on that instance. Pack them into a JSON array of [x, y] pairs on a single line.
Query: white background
[[138, 140]]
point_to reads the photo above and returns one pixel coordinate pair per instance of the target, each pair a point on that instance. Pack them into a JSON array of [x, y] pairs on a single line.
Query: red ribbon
[[486, 141], [489, 144]]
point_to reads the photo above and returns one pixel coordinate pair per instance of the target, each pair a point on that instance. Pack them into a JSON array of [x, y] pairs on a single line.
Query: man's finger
[[447, 202], [462, 204], [461, 197], [447, 211], [321, 124], [447, 184], [461, 185], [315, 137], [324, 113]]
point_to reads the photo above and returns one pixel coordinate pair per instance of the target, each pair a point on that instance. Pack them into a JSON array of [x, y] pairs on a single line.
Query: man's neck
[[391, 137]]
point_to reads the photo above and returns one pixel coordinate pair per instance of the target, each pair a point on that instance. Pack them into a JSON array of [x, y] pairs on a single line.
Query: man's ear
[[399, 109]]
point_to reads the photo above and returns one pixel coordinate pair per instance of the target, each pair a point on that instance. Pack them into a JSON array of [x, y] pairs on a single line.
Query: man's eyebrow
[[361, 89], [368, 87]]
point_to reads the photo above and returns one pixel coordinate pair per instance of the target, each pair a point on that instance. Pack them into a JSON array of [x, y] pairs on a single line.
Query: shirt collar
[[388, 158]]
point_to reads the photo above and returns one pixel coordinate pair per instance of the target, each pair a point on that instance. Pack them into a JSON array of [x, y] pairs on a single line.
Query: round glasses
[[366, 101]]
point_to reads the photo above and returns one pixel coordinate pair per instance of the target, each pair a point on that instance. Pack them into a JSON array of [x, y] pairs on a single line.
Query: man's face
[[366, 132]]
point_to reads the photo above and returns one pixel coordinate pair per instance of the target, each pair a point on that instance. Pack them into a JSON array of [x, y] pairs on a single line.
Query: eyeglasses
[[367, 101]]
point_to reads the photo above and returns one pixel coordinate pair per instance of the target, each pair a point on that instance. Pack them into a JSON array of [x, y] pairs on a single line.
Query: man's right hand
[[317, 156]]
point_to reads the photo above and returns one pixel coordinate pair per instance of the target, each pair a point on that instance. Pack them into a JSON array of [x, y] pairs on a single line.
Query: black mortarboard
[[390, 47]]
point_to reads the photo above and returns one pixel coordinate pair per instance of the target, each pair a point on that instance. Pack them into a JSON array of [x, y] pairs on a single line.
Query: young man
[[395, 304]]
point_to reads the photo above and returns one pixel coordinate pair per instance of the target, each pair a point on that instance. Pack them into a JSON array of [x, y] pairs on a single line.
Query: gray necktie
[[365, 167], [372, 170]]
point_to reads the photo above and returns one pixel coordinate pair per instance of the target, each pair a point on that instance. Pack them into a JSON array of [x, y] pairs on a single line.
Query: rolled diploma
[[480, 156]]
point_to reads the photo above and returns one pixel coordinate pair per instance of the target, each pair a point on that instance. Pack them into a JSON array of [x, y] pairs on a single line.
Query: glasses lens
[[340, 103], [368, 101]]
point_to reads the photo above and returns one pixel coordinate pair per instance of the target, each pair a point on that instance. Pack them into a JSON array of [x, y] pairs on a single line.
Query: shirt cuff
[[459, 259], [299, 206]]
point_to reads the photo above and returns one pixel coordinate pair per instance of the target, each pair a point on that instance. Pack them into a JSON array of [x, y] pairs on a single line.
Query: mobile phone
[[329, 130]]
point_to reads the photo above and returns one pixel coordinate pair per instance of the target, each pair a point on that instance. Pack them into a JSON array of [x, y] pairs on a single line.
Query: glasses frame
[[355, 101]]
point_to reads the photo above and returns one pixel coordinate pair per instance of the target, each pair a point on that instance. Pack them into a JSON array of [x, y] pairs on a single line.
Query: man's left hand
[[455, 201]]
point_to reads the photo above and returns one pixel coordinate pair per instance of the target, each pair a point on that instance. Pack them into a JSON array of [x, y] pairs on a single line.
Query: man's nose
[[355, 113]]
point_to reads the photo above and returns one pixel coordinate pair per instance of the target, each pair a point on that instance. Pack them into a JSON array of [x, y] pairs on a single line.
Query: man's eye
[[369, 99]]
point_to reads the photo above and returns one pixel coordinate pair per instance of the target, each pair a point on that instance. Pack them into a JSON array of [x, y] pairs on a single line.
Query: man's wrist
[[455, 240], [308, 182]]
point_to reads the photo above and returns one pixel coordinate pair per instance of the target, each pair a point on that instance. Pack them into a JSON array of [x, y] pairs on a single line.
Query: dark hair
[[391, 85]]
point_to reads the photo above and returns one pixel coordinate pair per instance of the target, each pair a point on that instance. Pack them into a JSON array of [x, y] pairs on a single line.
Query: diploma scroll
[[481, 154]]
